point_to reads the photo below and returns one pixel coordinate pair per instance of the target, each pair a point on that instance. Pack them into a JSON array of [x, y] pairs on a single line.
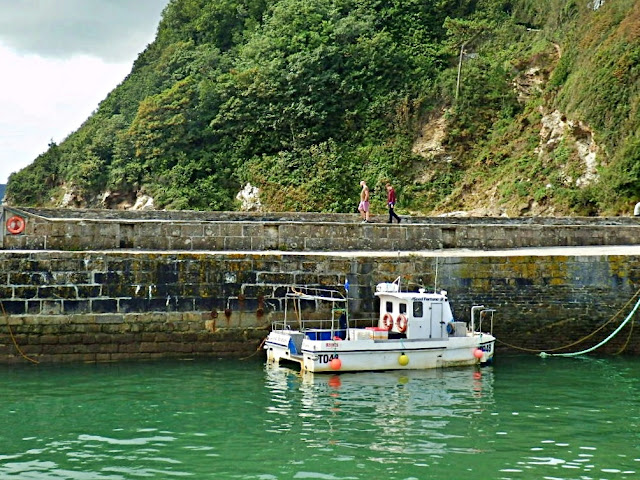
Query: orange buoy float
[[402, 322], [387, 321], [15, 225], [478, 353], [335, 364]]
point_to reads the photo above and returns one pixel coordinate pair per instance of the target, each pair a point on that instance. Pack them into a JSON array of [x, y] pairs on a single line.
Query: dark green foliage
[[305, 98], [33, 185]]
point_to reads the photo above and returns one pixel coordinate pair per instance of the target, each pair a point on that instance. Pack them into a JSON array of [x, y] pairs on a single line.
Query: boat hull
[[371, 355]]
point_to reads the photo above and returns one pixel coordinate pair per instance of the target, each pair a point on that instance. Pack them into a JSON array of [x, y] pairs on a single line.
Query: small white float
[[415, 330]]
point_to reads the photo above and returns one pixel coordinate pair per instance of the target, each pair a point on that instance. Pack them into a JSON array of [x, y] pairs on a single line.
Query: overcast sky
[[58, 60]]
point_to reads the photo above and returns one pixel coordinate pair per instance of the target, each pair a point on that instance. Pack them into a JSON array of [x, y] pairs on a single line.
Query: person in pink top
[[363, 207], [391, 202]]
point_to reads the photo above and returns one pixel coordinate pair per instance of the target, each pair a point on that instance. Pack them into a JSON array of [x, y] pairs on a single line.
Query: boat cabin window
[[403, 308], [417, 309], [389, 307]]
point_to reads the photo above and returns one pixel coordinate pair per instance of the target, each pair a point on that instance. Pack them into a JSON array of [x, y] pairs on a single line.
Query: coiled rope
[[13, 338]]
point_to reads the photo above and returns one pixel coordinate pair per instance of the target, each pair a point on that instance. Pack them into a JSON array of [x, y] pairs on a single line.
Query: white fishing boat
[[414, 330]]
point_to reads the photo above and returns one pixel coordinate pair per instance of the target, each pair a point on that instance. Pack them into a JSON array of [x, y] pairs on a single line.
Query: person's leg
[[392, 213]]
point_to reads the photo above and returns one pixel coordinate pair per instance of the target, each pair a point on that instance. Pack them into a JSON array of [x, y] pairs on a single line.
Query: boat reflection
[[391, 414]]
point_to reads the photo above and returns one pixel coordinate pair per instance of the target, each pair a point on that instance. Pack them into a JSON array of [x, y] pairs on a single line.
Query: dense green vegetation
[[304, 98]]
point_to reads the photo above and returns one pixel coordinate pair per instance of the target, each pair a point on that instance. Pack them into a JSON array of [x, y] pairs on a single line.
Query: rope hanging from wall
[[13, 338]]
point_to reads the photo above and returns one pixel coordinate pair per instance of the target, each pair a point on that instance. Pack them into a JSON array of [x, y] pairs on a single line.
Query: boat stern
[[485, 349], [283, 345]]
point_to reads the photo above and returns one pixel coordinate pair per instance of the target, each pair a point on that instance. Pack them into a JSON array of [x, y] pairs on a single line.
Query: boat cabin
[[415, 315]]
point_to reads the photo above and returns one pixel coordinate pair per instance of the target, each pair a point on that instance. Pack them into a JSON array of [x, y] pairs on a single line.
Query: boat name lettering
[[326, 358], [330, 345], [485, 348]]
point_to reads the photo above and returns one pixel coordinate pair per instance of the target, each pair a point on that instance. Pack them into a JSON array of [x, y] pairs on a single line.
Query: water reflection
[[396, 416]]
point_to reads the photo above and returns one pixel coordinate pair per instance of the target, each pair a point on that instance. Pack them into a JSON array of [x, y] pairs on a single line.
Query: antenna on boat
[[435, 278]]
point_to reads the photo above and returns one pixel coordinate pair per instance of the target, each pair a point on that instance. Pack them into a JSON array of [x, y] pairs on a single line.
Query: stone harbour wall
[[61, 229], [126, 304]]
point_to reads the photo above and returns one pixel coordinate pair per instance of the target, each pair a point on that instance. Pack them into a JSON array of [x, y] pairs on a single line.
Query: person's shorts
[[363, 207]]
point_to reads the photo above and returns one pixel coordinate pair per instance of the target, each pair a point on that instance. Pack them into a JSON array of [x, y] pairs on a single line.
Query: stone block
[[129, 348], [237, 243], [107, 319], [104, 305], [51, 307], [71, 307], [149, 347], [202, 347], [170, 230], [210, 304], [88, 291], [211, 230], [132, 305], [231, 229], [57, 292]]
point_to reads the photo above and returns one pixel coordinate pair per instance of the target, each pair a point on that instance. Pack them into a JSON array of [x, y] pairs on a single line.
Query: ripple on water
[[228, 420]]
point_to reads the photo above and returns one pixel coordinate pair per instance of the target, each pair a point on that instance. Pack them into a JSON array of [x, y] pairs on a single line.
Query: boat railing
[[320, 294], [305, 324], [485, 316], [301, 298]]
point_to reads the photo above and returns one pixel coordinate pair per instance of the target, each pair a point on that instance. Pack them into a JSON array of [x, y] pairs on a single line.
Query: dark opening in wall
[[126, 235]]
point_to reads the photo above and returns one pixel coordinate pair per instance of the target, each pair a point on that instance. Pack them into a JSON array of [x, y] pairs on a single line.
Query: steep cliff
[[488, 107]]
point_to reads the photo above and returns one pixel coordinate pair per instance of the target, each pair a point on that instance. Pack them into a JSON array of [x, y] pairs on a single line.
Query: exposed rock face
[[143, 202], [249, 197], [556, 128], [529, 83], [129, 200], [71, 197], [583, 154], [112, 200], [433, 133]]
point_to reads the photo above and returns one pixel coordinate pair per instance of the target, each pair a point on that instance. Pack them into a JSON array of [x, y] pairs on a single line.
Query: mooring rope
[[586, 337], [603, 342], [626, 343], [257, 350], [13, 338]]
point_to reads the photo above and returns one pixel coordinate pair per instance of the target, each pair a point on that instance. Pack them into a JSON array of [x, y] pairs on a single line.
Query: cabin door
[[436, 320]]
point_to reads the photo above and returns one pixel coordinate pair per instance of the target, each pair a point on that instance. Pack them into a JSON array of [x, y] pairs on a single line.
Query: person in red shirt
[[391, 202]]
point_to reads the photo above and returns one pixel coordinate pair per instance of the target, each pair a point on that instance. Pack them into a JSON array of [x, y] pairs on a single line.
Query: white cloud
[[59, 59], [63, 28], [46, 99]]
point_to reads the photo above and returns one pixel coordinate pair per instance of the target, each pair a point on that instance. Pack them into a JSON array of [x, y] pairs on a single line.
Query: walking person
[[363, 207], [391, 202]]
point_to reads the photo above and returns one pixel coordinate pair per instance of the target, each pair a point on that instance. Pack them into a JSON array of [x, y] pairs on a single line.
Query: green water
[[524, 418]]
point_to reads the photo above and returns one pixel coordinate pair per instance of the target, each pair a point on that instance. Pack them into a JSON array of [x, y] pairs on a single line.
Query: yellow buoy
[[403, 360]]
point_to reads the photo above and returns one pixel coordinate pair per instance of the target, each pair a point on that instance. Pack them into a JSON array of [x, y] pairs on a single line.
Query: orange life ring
[[15, 225], [387, 321], [402, 322]]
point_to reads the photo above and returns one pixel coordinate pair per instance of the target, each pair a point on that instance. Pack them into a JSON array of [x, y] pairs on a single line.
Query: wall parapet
[[68, 229]]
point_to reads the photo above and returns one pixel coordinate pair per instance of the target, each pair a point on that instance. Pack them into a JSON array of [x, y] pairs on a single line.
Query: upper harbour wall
[[99, 303], [66, 229]]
